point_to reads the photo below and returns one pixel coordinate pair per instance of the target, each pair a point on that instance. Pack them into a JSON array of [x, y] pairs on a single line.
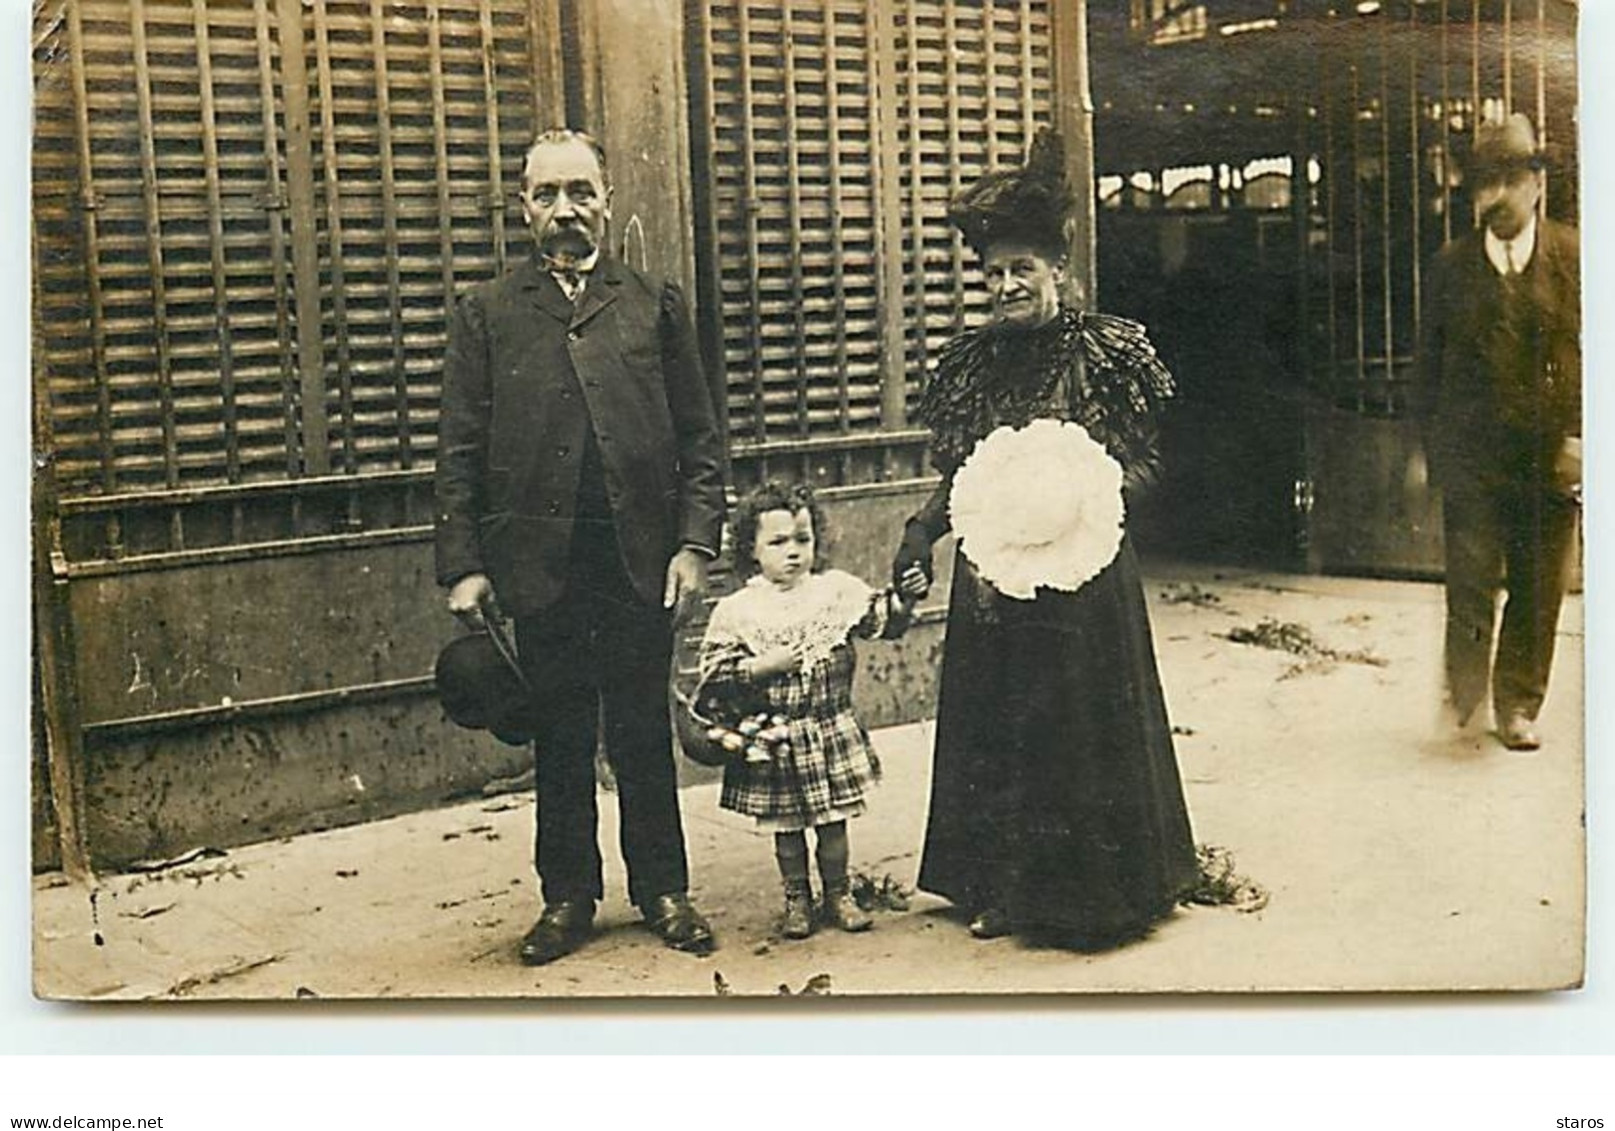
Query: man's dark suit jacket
[[1500, 363], [525, 377]]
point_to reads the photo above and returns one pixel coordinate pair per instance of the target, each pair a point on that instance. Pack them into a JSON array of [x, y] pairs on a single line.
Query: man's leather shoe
[[674, 920], [562, 928], [1519, 733]]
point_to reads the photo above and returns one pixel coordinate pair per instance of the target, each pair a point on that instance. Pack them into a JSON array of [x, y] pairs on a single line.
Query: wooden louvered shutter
[[250, 219], [161, 245], [836, 133], [421, 114], [973, 83]]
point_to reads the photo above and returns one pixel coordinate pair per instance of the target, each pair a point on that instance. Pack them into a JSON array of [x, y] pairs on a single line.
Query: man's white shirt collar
[[1509, 256], [585, 265]]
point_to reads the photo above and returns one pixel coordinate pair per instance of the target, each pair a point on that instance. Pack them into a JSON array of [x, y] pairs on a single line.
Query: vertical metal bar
[[1357, 226], [916, 202], [305, 241], [838, 252], [496, 158], [751, 206], [989, 115], [1446, 129], [1331, 175], [889, 283], [389, 226], [1386, 220], [793, 206], [274, 204], [333, 228], [1542, 92], [1415, 173], [1028, 121], [1301, 228], [1474, 67], [154, 260], [1508, 56], [440, 146], [90, 202], [950, 52], [215, 214]]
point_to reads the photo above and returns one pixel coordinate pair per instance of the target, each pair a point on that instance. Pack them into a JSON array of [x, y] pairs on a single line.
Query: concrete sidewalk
[[1396, 855]]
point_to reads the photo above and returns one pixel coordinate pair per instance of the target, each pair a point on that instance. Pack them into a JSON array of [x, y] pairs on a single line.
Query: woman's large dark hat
[[481, 687], [1029, 204]]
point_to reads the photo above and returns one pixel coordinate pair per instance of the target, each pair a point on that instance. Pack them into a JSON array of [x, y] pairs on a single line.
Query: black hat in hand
[[482, 688]]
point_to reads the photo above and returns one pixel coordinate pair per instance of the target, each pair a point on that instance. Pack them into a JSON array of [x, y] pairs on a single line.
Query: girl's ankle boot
[[797, 922], [842, 910]]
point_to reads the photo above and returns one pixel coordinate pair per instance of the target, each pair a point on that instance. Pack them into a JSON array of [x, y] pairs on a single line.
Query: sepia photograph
[[645, 499]]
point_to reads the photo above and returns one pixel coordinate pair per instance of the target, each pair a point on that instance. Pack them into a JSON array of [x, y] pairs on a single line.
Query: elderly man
[[580, 489], [1500, 365]]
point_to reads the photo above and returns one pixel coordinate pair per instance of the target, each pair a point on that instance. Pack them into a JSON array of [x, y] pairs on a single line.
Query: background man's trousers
[[1519, 539]]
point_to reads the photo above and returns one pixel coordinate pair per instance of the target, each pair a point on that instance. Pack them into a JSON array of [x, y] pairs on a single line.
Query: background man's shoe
[[1519, 733], [674, 919], [562, 928]]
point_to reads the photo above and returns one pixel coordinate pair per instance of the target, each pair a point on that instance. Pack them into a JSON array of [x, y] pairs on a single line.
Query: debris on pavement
[[234, 969], [149, 912], [346, 873], [1220, 886], [304, 993], [1183, 731], [214, 872], [720, 985], [1178, 593], [1298, 640], [520, 783], [189, 857], [884, 894], [817, 986]]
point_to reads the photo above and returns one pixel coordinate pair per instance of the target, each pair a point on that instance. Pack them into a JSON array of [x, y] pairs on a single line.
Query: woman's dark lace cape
[[992, 376]]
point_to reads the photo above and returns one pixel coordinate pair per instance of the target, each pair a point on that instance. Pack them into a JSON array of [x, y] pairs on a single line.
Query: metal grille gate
[[1317, 145]]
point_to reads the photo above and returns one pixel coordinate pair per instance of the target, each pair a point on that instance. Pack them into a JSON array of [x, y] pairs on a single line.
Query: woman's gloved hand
[[914, 551]]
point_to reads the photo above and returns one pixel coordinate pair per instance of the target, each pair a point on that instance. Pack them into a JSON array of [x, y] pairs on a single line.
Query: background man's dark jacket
[[1500, 381], [525, 378]]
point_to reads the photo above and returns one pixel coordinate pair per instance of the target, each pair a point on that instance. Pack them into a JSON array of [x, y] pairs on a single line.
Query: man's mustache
[[570, 231]]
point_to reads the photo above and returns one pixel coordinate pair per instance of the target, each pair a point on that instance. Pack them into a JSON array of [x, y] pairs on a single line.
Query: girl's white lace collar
[[812, 618]]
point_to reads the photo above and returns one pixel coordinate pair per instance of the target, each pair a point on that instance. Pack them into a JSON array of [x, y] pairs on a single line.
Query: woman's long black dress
[[1055, 794]]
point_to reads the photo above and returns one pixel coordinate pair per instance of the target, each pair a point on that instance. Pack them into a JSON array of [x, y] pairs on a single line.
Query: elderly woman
[[1056, 809]]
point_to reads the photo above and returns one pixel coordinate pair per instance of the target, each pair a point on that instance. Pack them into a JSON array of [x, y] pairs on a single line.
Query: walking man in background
[[580, 483], [1500, 378]]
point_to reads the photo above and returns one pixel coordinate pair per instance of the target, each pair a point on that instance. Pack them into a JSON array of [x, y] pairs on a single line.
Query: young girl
[[782, 645]]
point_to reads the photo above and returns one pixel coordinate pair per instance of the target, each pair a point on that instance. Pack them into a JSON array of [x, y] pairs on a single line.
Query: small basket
[[713, 731], [692, 728]]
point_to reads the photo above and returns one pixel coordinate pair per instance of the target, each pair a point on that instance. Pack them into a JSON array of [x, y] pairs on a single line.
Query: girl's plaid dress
[[830, 764]]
